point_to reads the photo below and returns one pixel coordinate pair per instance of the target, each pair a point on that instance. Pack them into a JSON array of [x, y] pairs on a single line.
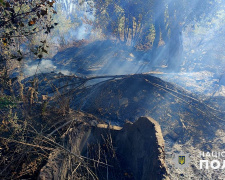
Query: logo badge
[[181, 160]]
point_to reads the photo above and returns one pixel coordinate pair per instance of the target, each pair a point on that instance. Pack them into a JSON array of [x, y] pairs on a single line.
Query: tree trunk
[[175, 42], [175, 48], [159, 25]]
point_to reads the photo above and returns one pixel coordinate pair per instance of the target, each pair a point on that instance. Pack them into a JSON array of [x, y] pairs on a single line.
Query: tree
[[20, 20], [139, 22], [180, 14]]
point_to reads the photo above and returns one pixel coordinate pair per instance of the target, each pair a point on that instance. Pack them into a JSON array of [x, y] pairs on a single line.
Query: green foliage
[[12, 120], [44, 107], [128, 21], [151, 35], [134, 22], [7, 102], [20, 21]]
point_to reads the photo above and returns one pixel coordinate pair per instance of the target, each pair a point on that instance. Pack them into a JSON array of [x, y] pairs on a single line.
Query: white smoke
[[42, 66]]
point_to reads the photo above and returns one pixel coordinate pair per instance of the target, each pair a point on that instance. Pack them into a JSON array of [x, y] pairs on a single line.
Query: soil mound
[[181, 114], [135, 152]]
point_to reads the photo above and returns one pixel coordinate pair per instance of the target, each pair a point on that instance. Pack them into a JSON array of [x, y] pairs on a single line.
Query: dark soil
[[181, 115]]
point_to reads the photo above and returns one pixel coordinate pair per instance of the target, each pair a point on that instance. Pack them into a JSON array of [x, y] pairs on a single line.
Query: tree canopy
[[20, 20], [149, 24]]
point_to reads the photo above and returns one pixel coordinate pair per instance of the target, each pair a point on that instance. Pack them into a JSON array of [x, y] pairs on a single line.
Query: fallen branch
[[27, 144]]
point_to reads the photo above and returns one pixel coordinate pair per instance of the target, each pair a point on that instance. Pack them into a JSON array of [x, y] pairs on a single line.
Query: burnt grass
[[182, 115], [100, 58]]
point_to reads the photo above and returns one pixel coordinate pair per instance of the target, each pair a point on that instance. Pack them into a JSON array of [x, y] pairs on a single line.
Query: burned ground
[[186, 120], [101, 58], [181, 114], [110, 152]]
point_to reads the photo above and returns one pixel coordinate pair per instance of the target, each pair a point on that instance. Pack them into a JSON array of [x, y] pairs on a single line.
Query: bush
[[6, 102]]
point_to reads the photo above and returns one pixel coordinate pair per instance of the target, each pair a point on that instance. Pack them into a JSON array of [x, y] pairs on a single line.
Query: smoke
[[82, 32], [43, 66], [203, 44], [79, 13]]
